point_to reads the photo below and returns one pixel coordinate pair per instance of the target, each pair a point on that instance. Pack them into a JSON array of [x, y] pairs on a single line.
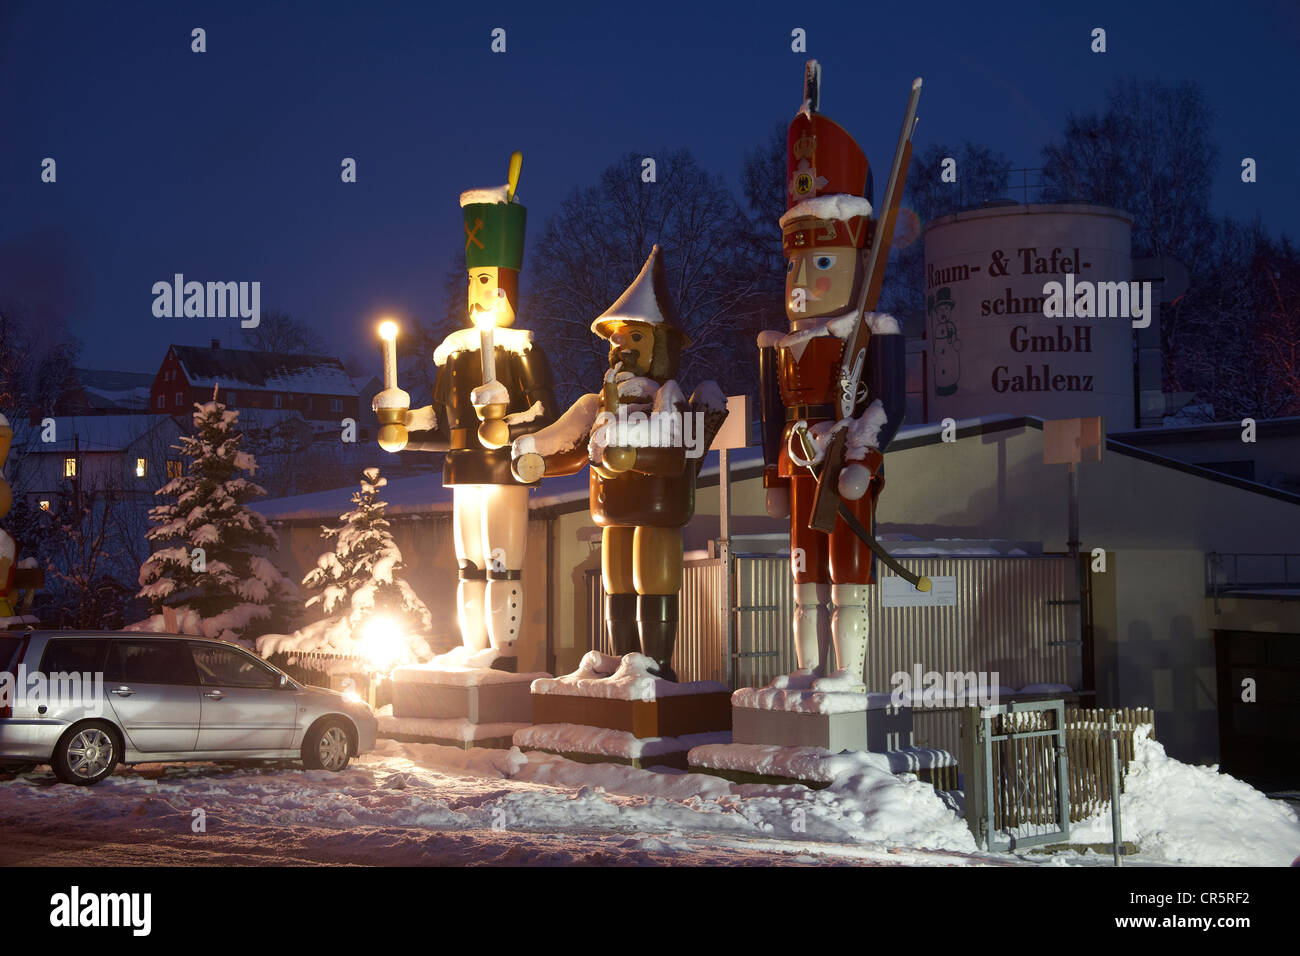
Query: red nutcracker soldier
[[832, 388]]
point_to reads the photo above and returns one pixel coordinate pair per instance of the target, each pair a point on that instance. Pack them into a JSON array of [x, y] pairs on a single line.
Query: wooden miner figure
[[832, 393], [645, 444], [493, 384]]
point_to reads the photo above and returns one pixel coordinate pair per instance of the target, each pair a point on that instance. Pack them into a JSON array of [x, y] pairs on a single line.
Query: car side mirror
[[284, 681]]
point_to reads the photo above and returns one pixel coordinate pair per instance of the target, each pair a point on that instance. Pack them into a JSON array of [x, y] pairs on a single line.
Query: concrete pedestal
[[460, 706]]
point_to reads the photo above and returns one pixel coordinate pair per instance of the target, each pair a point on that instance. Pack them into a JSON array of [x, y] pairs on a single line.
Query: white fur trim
[[841, 206], [841, 326], [467, 340]]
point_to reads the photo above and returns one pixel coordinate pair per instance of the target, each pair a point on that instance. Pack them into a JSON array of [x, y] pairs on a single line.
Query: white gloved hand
[[854, 481]]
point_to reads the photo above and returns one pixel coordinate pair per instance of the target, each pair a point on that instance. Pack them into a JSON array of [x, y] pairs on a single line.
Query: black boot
[[656, 617], [620, 623]]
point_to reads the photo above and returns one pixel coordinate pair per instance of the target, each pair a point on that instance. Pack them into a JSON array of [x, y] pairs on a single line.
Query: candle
[[388, 333], [487, 343]]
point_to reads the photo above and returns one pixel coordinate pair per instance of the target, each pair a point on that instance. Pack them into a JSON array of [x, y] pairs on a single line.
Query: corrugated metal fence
[[1017, 617]]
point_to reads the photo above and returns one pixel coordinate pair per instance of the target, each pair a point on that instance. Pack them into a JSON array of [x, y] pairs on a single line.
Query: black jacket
[[527, 377]]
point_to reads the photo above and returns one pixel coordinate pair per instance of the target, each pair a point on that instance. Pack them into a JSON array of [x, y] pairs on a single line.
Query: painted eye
[[636, 337], [483, 279], [824, 262]]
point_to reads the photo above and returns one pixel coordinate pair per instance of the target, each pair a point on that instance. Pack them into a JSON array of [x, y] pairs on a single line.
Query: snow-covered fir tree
[[358, 580], [213, 555]]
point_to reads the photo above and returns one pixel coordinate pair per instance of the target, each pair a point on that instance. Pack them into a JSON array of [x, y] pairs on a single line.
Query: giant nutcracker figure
[[493, 384], [832, 388], [645, 444]]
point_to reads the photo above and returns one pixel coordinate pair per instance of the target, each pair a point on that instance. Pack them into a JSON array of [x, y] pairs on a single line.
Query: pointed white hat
[[646, 300]]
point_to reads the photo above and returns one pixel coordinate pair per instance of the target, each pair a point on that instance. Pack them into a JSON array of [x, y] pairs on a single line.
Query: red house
[[315, 385]]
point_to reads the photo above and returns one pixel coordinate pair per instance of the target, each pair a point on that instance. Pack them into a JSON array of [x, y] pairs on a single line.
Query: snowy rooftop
[[270, 371], [88, 433]]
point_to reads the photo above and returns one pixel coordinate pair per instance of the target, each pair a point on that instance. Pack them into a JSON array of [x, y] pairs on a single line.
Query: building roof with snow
[[247, 370], [88, 433], [105, 391]]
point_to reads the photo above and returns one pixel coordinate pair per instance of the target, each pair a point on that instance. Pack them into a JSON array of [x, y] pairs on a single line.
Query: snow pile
[[798, 700], [628, 678], [1196, 815], [600, 741], [460, 667], [814, 763], [708, 397], [1189, 415]]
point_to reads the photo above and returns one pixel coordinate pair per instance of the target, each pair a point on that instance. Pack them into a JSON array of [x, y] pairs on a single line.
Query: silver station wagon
[[84, 702]]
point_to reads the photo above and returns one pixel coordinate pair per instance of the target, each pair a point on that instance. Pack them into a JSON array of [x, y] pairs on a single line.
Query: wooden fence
[[1089, 751], [1025, 786], [328, 670]]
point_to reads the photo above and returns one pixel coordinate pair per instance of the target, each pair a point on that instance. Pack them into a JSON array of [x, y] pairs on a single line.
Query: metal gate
[[1016, 774]]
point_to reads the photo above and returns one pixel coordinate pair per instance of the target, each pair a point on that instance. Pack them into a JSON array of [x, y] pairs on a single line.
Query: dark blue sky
[[225, 165]]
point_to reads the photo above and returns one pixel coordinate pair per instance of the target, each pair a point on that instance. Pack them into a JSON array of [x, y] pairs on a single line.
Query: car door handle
[[122, 691], [214, 695]]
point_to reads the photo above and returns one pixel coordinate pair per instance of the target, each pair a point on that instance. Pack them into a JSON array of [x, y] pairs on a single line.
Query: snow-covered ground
[[422, 803]]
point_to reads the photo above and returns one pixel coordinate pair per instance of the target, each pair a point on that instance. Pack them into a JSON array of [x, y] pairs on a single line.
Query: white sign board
[[895, 592]]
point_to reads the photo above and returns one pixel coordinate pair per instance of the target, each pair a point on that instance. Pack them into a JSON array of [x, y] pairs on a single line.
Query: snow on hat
[[646, 300], [494, 228]]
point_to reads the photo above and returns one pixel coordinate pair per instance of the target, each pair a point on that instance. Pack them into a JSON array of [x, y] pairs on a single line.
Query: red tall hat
[[827, 177]]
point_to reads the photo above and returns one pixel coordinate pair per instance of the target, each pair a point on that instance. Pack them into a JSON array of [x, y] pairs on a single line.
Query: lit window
[[180, 398], [69, 468], [275, 401], [162, 401], [336, 404], [141, 467], [45, 504], [173, 469]]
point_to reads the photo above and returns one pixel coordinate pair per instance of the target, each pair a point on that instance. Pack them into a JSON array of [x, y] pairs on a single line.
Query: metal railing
[[1262, 572]]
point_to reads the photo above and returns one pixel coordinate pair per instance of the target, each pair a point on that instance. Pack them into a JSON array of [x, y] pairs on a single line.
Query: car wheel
[[86, 754], [327, 747]]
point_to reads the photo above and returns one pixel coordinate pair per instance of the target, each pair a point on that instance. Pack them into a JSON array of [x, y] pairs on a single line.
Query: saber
[[918, 581]]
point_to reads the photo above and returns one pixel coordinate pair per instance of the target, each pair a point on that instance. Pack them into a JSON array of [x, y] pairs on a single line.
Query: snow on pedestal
[[457, 696], [624, 694], [577, 741], [813, 764], [452, 731], [628, 678], [798, 711]]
